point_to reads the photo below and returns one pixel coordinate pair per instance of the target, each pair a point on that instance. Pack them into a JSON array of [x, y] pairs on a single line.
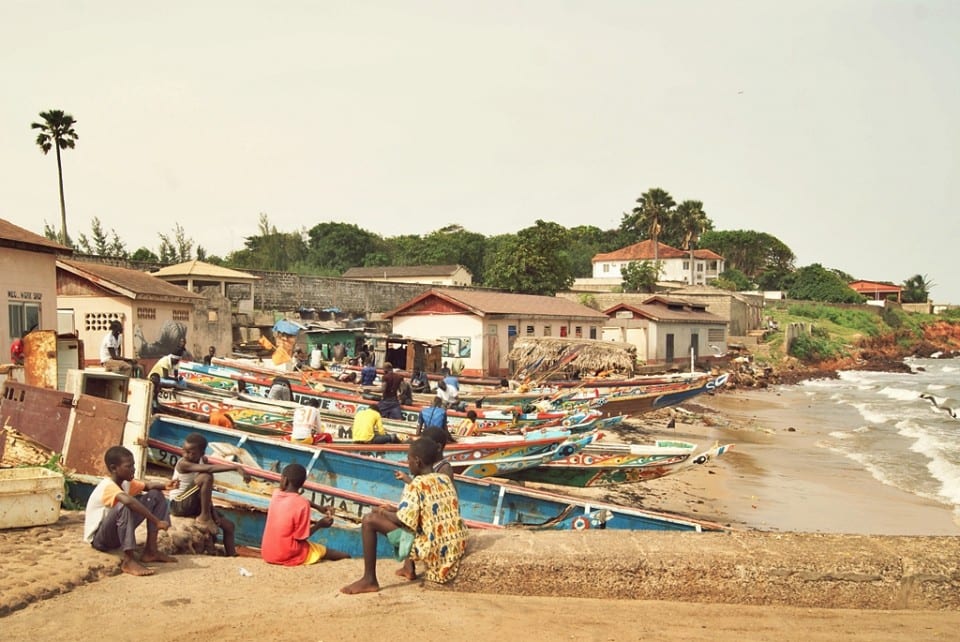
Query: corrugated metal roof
[[395, 271], [132, 283], [658, 311], [16, 234], [492, 302]]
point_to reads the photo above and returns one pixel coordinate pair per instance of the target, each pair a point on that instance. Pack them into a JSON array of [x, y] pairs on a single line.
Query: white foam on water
[[841, 434], [930, 446], [868, 412], [936, 386], [900, 394], [862, 429], [949, 369]]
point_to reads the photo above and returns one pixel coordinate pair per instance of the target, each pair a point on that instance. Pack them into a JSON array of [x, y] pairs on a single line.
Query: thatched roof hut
[[558, 358]]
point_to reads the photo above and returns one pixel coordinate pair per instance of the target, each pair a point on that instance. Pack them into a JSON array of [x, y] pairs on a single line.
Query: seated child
[[286, 534], [118, 505], [193, 496], [468, 425], [427, 522]]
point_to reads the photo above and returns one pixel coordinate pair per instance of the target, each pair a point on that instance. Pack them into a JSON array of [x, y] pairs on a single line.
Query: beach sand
[[52, 585]]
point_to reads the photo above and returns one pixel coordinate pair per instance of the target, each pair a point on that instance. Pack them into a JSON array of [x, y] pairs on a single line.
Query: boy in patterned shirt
[[424, 527]]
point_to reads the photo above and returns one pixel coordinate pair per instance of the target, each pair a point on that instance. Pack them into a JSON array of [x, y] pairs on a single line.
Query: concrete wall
[[27, 278]]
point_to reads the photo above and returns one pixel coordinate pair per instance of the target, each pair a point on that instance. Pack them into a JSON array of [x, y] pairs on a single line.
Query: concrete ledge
[[808, 570]]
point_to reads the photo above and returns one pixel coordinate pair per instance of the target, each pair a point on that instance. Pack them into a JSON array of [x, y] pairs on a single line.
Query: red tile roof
[[484, 302], [643, 251], [132, 283], [16, 235], [874, 286]]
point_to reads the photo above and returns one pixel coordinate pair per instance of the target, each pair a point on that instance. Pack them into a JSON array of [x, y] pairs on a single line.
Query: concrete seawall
[[809, 570]]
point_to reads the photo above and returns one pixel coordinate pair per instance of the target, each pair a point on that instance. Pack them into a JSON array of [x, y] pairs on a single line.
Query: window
[[563, 331], [686, 265], [181, 315], [23, 318], [100, 321], [593, 332], [578, 332], [146, 313], [511, 331], [606, 268], [529, 330], [546, 331], [712, 266], [699, 267], [715, 334]]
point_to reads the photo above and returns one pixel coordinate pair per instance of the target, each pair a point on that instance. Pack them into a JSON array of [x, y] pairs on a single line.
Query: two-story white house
[[681, 266]]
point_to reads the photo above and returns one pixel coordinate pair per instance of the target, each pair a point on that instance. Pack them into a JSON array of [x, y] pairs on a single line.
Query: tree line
[[544, 258]]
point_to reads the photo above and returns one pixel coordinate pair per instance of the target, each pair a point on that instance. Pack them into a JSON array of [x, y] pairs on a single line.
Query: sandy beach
[[776, 480]]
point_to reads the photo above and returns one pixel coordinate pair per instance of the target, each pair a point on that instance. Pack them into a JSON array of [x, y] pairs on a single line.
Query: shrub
[[809, 347], [860, 320]]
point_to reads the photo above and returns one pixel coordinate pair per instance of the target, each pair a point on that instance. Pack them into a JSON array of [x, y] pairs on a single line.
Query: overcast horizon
[[831, 125]]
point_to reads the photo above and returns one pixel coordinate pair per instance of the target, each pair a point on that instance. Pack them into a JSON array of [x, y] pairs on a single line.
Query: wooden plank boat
[[371, 480], [473, 457], [636, 401], [604, 464]]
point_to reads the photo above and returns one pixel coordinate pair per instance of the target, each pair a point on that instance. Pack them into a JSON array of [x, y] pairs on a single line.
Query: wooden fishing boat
[[371, 481], [473, 457], [605, 464], [636, 401]]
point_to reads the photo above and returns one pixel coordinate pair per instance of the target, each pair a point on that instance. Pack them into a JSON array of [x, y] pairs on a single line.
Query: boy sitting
[[116, 507], [426, 523], [193, 496], [286, 534]]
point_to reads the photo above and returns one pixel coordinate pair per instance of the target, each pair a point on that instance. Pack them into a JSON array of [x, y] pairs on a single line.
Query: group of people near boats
[[424, 527]]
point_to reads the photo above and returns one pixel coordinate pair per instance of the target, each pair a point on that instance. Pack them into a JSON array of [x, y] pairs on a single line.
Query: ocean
[[881, 421]]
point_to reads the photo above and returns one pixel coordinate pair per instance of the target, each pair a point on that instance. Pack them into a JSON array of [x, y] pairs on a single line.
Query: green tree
[[57, 132], [916, 289], [753, 253], [586, 241], [101, 243], [816, 283], [646, 220], [271, 249], [176, 249], [734, 280], [337, 247], [641, 276], [532, 262], [145, 255]]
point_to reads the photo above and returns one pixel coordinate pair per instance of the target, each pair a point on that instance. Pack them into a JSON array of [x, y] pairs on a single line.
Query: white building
[[681, 266], [478, 327]]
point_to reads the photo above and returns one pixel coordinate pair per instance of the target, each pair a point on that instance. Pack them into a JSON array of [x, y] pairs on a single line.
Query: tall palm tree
[[655, 205], [693, 221], [57, 131]]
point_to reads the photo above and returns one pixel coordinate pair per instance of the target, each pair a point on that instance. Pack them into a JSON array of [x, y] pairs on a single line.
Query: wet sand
[[51, 585]]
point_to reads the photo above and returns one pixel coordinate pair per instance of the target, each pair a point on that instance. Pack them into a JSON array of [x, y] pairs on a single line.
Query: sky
[[832, 125]]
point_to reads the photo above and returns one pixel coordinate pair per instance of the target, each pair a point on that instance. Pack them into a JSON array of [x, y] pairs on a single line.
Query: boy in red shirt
[[285, 537]]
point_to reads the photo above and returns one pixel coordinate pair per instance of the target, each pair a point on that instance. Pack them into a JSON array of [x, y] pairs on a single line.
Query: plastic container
[[29, 497]]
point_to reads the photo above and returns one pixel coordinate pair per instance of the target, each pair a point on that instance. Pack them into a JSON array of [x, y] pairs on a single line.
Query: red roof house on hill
[[876, 290]]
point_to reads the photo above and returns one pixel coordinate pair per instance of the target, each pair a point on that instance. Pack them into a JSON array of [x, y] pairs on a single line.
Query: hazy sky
[[833, 125]]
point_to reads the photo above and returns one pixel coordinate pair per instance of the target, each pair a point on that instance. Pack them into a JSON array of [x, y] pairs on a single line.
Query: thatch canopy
[[558, 358]]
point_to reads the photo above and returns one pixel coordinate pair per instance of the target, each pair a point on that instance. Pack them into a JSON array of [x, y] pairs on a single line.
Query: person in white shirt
[[306, 422], [110, 357], [447, 394]]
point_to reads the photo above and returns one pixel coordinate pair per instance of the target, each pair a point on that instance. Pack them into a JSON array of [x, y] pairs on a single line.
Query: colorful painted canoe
[[603, 464], [369, 481], [636, 401]]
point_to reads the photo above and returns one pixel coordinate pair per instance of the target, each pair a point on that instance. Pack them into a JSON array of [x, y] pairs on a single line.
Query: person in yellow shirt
[[368, 427]]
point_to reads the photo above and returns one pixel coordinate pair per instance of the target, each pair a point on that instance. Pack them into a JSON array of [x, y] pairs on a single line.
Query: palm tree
[[57, 131], [693, 222], [655, 206]]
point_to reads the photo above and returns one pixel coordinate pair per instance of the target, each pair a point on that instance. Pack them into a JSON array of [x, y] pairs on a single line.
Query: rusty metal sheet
[[40, 359], [42, 415], [97, 424]]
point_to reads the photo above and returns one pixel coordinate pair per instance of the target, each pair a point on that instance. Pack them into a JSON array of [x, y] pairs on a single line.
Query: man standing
[[389, 404], [110, 357]]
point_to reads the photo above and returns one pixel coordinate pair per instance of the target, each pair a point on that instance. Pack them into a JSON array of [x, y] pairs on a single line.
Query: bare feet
[[157, 557], [133, 567], [208, 525], [407, 571], [362, 585]]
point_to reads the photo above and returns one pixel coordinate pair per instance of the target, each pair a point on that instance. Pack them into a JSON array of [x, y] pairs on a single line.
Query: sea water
[[881, 421]]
